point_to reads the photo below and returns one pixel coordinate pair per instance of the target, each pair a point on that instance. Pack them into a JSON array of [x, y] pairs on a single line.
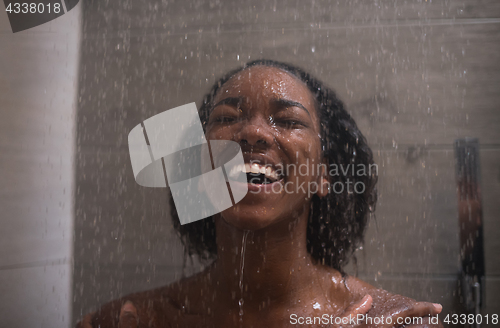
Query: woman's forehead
[[263, 82]]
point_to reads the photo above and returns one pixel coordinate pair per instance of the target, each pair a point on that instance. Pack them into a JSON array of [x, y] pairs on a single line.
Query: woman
[[279, 253]]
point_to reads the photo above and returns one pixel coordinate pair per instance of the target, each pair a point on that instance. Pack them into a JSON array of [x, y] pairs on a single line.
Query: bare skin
[[166, 307], [272, 115]]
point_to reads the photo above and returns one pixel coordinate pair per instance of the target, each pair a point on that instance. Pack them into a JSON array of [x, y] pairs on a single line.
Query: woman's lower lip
[[267, 188], [258, 188]]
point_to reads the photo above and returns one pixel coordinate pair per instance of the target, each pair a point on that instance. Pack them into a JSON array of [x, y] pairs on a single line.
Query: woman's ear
[[323, 179]]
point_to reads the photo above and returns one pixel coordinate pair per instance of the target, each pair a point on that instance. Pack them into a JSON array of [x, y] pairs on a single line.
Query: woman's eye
[[289, 123], [224, 119]]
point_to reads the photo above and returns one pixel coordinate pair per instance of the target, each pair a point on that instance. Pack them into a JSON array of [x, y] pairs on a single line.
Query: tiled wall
[[416, 75], [38, 89]]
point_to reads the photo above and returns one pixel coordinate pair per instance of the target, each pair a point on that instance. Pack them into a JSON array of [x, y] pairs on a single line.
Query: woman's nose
[[255, 132]]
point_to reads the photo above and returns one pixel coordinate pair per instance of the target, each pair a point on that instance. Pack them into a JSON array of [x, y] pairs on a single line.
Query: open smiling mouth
[[255, 173]]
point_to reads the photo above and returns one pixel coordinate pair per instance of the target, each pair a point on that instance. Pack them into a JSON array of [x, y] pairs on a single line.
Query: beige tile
[[118, 221], [182, 17], [37, 296], [416, 228], [38, 68], [38, 75], [492, 301], [408, 85], [490, 191], [416, 225]]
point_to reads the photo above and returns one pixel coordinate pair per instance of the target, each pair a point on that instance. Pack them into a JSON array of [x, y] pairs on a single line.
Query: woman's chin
[[249, 218]]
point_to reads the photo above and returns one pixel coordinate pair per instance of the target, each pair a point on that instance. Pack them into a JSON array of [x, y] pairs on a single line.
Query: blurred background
[[77, 231]]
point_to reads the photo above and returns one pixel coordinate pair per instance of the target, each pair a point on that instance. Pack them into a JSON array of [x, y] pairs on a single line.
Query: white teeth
[[255, 168], [270, 173]]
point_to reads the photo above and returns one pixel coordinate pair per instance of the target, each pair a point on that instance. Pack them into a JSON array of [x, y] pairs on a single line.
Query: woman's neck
[[265, 267]]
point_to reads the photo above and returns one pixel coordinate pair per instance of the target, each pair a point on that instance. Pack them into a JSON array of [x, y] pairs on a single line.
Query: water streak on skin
[[242, 266]]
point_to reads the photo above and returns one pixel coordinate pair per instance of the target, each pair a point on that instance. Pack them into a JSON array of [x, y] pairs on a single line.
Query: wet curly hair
[[337, 221]]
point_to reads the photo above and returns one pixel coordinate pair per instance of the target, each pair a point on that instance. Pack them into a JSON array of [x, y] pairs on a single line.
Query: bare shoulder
[[147, 305], [159, 307]]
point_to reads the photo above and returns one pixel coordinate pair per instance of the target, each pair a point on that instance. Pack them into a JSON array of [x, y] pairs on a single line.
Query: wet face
[[272, 115]]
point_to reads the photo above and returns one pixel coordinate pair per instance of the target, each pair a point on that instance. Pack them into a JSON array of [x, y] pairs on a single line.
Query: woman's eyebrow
[[289, 103], [234, 101]]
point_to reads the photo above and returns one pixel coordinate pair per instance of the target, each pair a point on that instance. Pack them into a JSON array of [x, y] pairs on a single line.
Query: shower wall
[[38, 89], [415, 75]]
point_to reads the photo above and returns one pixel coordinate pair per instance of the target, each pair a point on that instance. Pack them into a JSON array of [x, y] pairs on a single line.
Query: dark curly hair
[[337, 221]]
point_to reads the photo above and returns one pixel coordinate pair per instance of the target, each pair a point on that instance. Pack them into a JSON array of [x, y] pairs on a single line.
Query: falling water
[[410, 73], [242, 266]]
